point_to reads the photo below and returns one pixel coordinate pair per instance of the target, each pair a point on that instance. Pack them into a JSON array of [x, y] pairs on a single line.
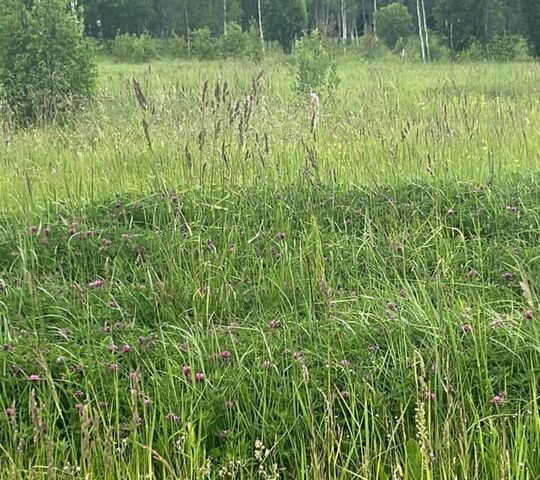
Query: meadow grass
[[232, 295]]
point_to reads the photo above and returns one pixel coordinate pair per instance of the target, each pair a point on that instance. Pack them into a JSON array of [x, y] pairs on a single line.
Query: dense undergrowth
[[388, 332]]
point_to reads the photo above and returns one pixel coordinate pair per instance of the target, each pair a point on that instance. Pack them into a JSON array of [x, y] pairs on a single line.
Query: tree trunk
[[364, 19], [428, 53], [225, 17], [420, 33], [375, 18], [344, 34], [260, 23]]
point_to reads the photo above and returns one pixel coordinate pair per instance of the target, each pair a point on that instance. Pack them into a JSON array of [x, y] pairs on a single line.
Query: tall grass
[[245, 300]]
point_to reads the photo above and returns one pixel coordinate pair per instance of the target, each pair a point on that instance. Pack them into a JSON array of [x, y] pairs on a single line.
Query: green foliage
[[202, 45], [508, 48], [439, 51], [235, 43], [134, 49], [284, 21], [473, 53], [394, 22], [118, 16], [371, 48], [367, 284], [175, 47], [531, 20], [315, 67], [46, 66]]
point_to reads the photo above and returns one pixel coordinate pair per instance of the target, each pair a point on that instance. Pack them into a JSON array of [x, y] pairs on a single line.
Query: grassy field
[[233, 294]]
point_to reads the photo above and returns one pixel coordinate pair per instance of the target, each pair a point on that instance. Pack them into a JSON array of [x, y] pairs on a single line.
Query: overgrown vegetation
[[239, 298], [46, 67]]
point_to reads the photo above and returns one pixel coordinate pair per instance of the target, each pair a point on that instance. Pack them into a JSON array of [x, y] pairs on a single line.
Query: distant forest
[[458, 23]]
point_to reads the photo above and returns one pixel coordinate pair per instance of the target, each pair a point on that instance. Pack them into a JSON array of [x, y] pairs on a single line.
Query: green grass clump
[[231, 296]]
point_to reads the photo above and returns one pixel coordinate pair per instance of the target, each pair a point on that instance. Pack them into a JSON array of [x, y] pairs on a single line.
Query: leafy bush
[[176, 47], [394, 22], [474, 53], [371, 48], [438, 49], [46, 65], [315, 66], [134, 49], [507, 48], [235, 43], [202, 45]]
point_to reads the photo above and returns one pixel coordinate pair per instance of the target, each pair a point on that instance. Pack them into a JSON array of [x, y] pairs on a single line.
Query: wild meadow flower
[[126, 348], [147, 402], [96, 283], [345, 363], [113, 367], [72, 232], [78, 394], [267, 365], [172, 417], [508, 276], [345, 394], [430, 395], [34, 229], [528, 314], [10, 412], [472, 273], [200, 377], [79, 407], [274, 324], [186, 370], [113, 348], [230, 404], [225, 355], [498, 399], [34, 378], [281, 235], [466, 328]]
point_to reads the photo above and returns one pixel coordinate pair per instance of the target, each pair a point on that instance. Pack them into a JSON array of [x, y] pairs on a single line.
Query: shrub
[[46, 65], [315, 67], [439, 52], [507, 48], [371, 48], [474, 53], [176, 47], [394, 22], [256, 50], [134, 49], [202, 46], [235, 43]]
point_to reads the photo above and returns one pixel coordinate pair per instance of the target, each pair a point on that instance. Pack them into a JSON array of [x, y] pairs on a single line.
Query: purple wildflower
[[225, 355]]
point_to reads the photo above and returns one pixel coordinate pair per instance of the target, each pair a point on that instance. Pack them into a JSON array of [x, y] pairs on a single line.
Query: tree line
[[459, 23]]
